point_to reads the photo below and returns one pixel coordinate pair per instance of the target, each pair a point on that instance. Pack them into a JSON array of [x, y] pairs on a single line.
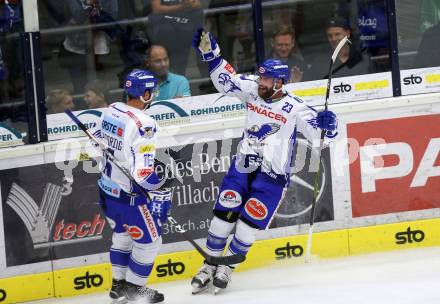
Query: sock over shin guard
[[217, 236], [141, 262], [120, 254], [243, 239]]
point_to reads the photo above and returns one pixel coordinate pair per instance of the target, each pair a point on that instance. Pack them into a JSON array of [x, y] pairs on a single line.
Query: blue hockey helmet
[[274, 68], [138, 81]]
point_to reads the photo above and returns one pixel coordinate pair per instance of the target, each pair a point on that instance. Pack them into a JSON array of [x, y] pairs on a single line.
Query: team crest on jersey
[[230, 199], [256, 209], [135, 232], [228, 85], [149, 132], [259, 133]]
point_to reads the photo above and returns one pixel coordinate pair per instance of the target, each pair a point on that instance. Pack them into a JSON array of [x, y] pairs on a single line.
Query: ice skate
[[222, 278], [117, 292], [142, 294], [201, 280]]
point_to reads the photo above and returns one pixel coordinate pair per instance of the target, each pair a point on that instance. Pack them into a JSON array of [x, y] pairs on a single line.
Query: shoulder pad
[[143, 123], [148, 128], [114, 103]]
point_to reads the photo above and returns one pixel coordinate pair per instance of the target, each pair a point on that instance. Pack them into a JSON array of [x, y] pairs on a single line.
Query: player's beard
[[264, 92]]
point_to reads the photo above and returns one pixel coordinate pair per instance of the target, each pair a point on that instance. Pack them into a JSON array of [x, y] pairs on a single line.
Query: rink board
[[293, 249], [82, 280], [394, 236], [286, 251], [364, 212], [27, 288]]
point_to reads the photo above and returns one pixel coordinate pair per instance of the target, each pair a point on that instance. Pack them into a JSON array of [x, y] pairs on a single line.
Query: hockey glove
[[98, 136], [327, 120], [204, 44], [160, 205]]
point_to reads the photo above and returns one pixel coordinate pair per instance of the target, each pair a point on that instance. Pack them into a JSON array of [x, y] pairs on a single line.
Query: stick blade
[[339, 47], [215, 260], [225, 260]]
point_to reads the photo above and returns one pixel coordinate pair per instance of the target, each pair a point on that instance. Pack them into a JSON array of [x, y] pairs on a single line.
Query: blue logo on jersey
[[313, 122], [228, 85], [148, 160], [113, 126], [109, 187], [258, 134]]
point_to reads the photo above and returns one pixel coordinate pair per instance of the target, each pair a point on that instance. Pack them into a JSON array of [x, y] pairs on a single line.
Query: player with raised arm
[[256, 182], [130, 136]]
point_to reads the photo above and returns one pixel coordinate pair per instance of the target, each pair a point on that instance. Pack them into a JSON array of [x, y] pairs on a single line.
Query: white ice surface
[[404, 277]]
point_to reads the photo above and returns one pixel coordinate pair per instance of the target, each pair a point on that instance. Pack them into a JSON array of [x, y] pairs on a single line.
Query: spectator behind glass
[[284, 48], [172, 24], [429, 49], [170, 85], [59, 100], [349, 62], [96, 94], [81, 48], [243, 49]]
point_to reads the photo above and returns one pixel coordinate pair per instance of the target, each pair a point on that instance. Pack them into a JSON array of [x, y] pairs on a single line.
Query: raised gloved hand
[[160, 205], [206, 45], [327, 120]]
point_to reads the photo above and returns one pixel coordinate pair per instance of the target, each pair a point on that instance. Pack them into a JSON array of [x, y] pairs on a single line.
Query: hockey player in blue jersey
[[258, 177], [130, 135]]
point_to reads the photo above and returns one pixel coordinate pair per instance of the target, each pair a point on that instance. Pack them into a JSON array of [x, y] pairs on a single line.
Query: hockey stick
[[321, 144], [221, 260]]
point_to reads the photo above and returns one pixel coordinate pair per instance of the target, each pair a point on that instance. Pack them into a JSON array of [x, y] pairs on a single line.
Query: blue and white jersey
[[271, 127], [130, 135]]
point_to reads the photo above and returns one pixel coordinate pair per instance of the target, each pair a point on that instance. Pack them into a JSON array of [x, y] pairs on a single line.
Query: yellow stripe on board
[[431, 78], [310, 92], [371, 85]]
